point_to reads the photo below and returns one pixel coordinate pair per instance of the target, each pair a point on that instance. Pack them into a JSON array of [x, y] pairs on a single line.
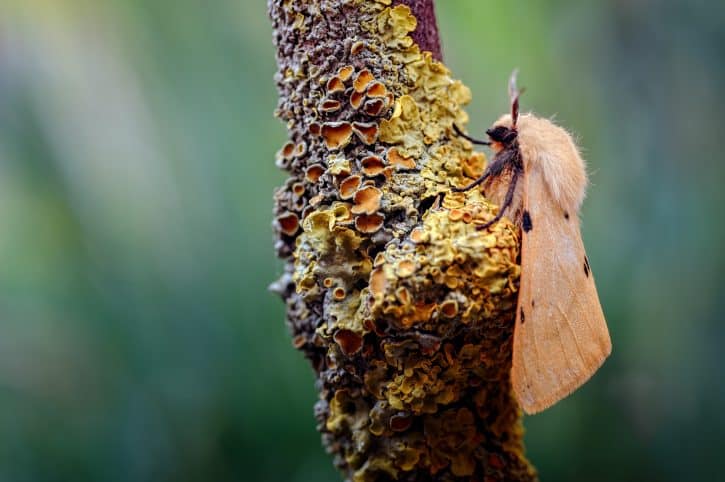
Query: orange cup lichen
[[349, 187], [375, 107], [367, 200], [335, 84], [372, 165], [377, 89], [330, 105], [362, 79], [356, 99], [314, 172], [345, 72], [349, 341], [288, 150], [398, 160], [288, 223], [449, 308], [369, 223], [336, 134], [367, 132]]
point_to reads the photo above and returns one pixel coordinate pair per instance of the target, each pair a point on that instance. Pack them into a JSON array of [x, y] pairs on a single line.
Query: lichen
[[403, 307]]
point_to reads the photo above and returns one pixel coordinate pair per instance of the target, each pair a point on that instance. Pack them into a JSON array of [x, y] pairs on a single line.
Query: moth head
[[502, 133]]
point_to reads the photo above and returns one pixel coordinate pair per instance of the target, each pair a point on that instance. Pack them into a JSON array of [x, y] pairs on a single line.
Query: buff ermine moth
[[538, 176]]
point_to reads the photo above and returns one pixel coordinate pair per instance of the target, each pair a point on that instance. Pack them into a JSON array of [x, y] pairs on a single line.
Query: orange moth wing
[[561, 336]]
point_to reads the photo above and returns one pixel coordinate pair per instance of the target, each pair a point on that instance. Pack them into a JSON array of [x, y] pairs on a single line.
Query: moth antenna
[[514, 94], [460, 133], [512, 83]]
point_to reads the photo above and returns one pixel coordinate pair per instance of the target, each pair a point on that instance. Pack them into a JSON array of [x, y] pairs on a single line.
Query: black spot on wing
[[532, 303], [566, 214], [523, 318], [526, 223], [587, 268]]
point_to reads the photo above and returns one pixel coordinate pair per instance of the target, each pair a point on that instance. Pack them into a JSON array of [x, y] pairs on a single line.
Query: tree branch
[[404, 309]]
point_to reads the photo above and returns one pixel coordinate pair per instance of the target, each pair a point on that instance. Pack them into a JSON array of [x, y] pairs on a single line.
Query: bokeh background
[[138, 341]]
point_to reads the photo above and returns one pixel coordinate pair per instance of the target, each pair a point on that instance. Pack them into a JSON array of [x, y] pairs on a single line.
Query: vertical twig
[[404, 309]]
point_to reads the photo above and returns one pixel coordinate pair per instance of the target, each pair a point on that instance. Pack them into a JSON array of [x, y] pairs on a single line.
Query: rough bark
[[426, 33], [404, 309]]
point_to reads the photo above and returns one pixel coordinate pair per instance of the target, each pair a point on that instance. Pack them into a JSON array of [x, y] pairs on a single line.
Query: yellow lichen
[[338, 166]]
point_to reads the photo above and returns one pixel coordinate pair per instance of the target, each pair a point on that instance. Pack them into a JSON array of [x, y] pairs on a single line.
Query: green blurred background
[[138, 341]]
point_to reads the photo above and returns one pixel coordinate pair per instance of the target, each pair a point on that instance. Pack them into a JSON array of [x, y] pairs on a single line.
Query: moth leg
[[460, 133], [494, 169], [506, 203]]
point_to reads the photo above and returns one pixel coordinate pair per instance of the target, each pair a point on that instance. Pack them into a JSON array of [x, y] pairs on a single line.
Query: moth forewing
[[561, 337]]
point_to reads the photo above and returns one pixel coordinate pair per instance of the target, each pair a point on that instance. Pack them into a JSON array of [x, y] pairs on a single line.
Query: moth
[[539, 178]]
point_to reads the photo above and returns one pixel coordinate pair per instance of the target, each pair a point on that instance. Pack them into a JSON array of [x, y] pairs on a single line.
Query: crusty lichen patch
[[404, 309]]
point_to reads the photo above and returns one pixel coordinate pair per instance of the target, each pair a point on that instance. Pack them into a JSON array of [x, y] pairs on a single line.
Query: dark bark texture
[[426, 33], [404, 309]]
